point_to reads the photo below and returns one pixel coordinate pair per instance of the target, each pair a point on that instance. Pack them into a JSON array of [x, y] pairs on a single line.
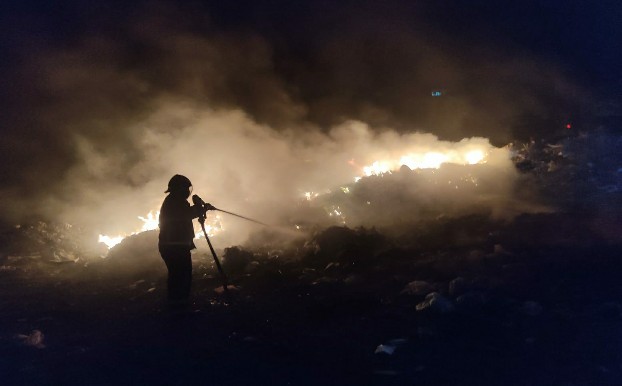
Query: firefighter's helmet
[[178, 182]]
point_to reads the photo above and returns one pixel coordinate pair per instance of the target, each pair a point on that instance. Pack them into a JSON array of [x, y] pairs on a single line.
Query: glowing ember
[[310, 195], [335, 211]]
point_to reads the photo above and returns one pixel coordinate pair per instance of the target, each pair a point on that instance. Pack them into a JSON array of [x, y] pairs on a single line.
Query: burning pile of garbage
[[542, 177]]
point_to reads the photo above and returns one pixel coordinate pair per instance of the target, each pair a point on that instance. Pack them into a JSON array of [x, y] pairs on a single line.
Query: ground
[[349, 307]]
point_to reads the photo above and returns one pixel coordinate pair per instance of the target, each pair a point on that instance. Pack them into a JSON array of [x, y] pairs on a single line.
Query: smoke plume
[[102, 114]]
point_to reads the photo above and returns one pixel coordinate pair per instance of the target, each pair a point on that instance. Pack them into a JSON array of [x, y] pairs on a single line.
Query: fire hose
[[196, 200], [237, 215]]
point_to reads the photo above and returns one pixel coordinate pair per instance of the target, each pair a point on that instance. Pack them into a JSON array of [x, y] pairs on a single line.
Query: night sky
[[84, 78]]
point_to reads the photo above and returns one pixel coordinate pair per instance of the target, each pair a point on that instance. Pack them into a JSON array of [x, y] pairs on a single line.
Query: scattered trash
[[136, 284], [331, 265], [64, 257], [390, 347], [219, 290], [417, 287], [437, 303], [34, 339]]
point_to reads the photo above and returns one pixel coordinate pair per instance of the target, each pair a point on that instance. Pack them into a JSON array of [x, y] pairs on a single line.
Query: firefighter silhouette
[[176, 235]]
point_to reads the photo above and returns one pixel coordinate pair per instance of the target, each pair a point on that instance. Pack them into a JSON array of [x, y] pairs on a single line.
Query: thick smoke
[[244, 167], [99, 122]]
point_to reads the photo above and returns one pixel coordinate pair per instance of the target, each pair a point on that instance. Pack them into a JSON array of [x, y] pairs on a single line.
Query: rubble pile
[[580, 168], [43, 243]]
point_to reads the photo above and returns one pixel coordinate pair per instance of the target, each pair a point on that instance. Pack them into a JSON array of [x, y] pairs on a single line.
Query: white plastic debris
[[385, 349], [64, 257], [34, 339], [437, 303], [331, 265], [390, 347], [136, 284]]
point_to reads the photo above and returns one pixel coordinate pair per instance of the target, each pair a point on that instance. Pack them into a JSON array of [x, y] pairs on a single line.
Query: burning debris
[[438, 168]]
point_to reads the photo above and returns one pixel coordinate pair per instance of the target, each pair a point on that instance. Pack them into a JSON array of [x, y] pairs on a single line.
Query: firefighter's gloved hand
[[209, 207]]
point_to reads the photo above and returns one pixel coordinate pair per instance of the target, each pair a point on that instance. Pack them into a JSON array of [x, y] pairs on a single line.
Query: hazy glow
[[110, 241], [428, 160], [475, 157], [251, 170], [378, 167], [151, 222]]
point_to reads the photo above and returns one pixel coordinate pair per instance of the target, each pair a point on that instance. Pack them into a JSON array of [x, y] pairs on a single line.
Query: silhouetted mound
[[135, 254], [355, 249], [236, 260]]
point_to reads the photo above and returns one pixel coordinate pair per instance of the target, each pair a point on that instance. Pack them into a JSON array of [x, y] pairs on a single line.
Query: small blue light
[[436, 93]]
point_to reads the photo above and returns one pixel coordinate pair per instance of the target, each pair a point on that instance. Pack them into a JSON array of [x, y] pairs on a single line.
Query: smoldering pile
[[406, 208]]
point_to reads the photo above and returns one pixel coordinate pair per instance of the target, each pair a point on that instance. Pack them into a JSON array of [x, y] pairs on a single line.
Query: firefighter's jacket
[[176, 216]]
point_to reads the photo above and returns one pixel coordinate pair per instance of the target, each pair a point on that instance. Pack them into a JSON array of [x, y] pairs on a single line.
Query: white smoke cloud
[[251, 169], [103, 122]]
